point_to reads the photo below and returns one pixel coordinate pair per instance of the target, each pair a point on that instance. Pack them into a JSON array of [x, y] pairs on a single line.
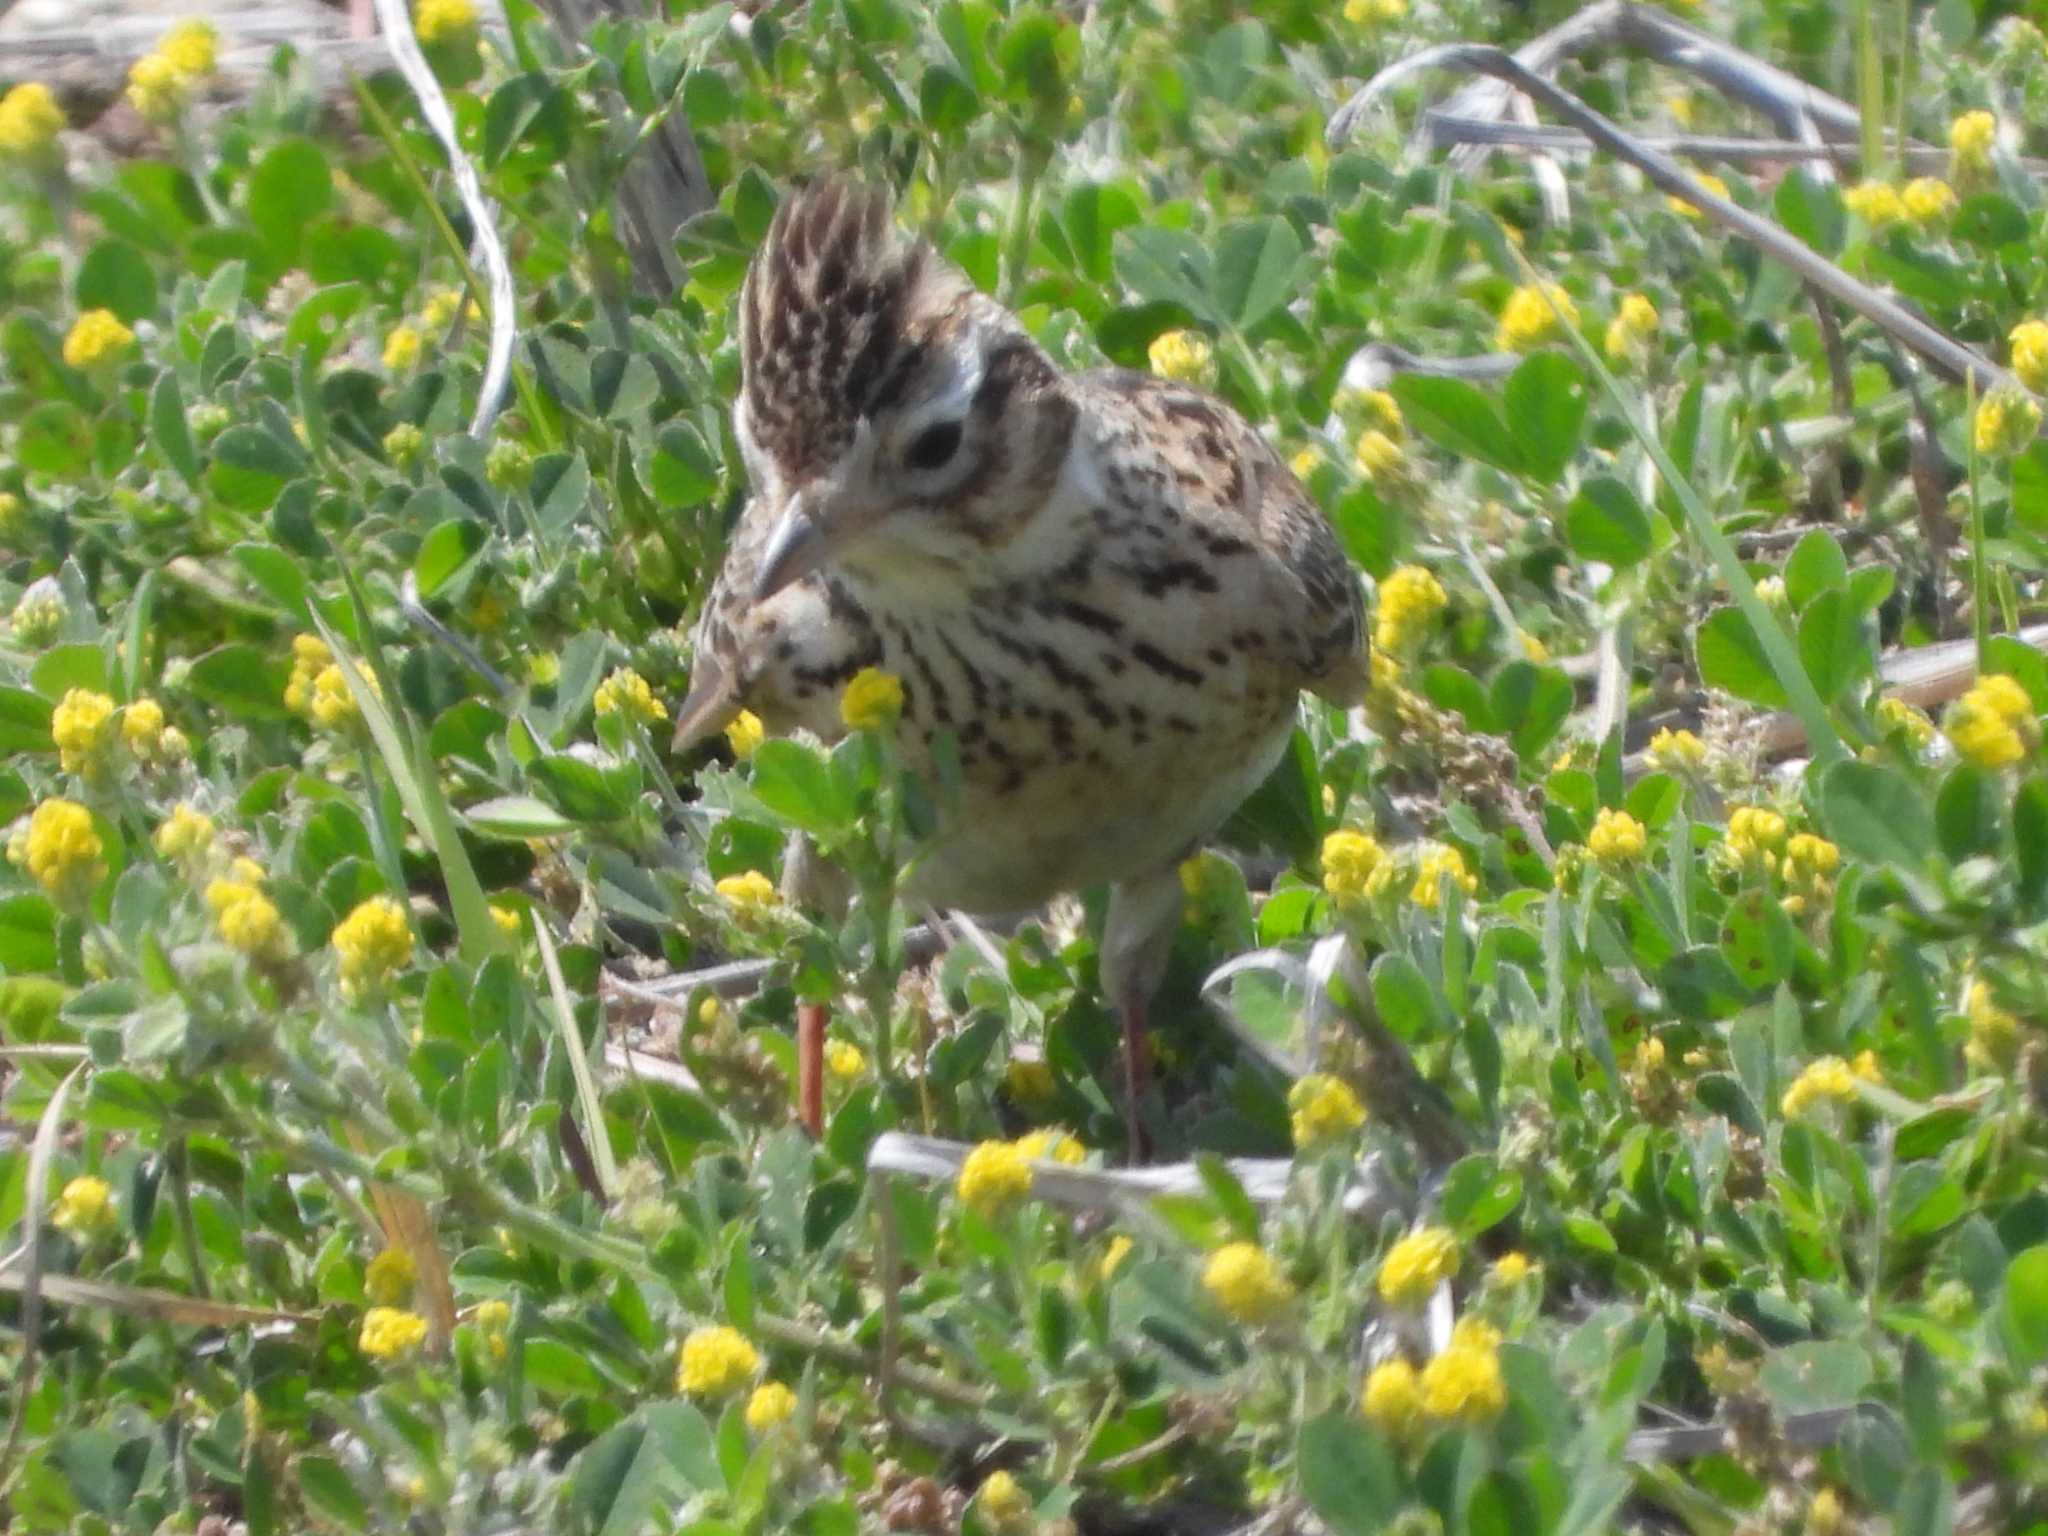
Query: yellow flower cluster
[[1417, 1264], [248, 920], [771, 1404], [30, 121], [1183, 356], [93, 338], [844, 1060], [1755, 833], [507, 919], [745, 734], [1970, 138], [1053, 1146], [1392, 1399], [715, 1362], [1876, 203], [750, 894], [334, 702], [2006, 422], [2029, 352], [388, 1279], [1631, 331], [1531, 316], [1409, 599], [1928, 199], [1323, 1108], [1511, 1268], [1438, 865], [1811, 860], [1994, 1033], [1368, 13], [626, 693], [1002, 1502], [444, 21], [161, 81], [81, 726], [493, 1320], [84, 1207], [1379, 457], [61, 849], [995, 1175], [373, 942], [1617, 837], [1687, 210], [1244, 1281], [1825, 1077], [440, 308], [402, 348], [142, 728], [1993, 724], [872, 700], [1895, 714], [185, 835], [389, 1333], [1464, 1382], [310, 657], [1677, 751], [1355, 866]]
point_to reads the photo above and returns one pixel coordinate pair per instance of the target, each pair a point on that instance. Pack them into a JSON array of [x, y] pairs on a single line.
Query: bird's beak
[[795, 549]]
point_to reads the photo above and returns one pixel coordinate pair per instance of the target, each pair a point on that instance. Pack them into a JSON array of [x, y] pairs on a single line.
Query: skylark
[[1105, 586]]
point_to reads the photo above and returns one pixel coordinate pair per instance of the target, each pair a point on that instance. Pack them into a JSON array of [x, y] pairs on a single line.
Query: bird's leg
[[810, 1067], [1137, 939]]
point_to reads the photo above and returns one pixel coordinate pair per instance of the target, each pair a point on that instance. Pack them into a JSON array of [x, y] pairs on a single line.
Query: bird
[[1105, 587]]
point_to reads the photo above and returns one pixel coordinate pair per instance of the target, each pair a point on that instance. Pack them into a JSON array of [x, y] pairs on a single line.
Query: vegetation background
[[1649, 1085]]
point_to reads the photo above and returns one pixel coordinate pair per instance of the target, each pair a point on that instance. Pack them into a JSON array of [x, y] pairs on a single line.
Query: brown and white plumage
[[1106, 587]]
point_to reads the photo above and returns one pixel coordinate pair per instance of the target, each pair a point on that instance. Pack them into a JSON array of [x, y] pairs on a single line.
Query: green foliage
[[1723, 1086]]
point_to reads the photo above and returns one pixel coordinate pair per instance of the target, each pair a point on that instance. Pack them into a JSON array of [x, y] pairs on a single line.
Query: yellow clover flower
[[493, 1320], [1002, 1503], [844, 1060], [750, 894], [1970, 138], [1928, 199], [185, 835], [1630, 331], [872, 701], [1994, 1033], [81, 726], [373, 942], [1876, 203], [1464, 1382], [157, 88], [626, 693], [770, 1405], [1053, 1146], [1379, 457], [193, 47], [84, 1207], [1511, 1268], [1183, 356], [1392, 1399], [1409, 599], [248, 920], [1438, 865], [30, 121], [715, 1362], [389, 1333], [334, 702], [995, 1176], [1244, 1281], [1323, 1108], [142, 727], [1993, 724], [1416, 1265], [1755, 833], [1368, 13], [1528, 318], [2006, 422], [1617, 837], [1677, 751], [402, 348], [61, 850], [2029, 352], [745, 734], [508, 920], [1687, 210], [1353, 863], [444, 21], [389, 1277], [94, 337], [1826, 1077]]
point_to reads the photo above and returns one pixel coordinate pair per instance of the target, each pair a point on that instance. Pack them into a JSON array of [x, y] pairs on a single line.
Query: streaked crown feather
[[825, 321]]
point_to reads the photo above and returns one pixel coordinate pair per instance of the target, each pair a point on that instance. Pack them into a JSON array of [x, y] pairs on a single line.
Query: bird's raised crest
[[823, 317]]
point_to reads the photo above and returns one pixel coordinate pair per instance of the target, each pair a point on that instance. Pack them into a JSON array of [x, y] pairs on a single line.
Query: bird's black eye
[[934, 446]]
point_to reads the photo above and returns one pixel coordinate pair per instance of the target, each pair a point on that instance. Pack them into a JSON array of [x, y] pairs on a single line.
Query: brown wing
[[1226, 480]]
